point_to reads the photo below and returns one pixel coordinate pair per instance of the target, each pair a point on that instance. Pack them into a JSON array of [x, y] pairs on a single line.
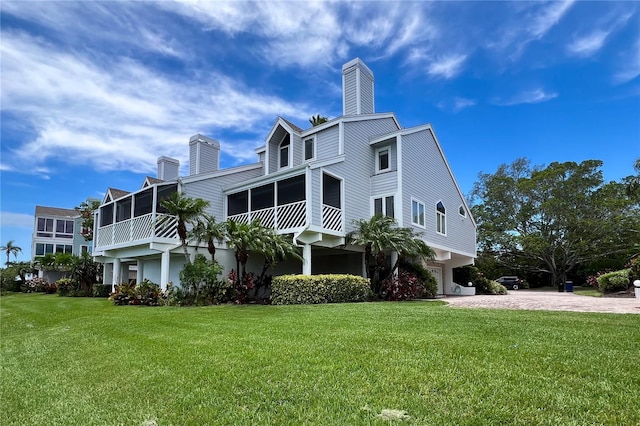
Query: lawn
[[85, 362]]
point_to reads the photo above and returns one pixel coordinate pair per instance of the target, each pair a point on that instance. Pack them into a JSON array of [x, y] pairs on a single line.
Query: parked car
[[511, 283]]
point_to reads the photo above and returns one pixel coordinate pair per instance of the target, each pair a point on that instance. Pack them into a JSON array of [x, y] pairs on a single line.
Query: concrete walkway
[[548, 301]]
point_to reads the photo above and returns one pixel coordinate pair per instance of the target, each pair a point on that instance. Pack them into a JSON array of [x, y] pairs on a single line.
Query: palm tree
[[207, 230], [243, 238], [277, 248], [379, 235], [186, 210], [316, 120], [10, 249]]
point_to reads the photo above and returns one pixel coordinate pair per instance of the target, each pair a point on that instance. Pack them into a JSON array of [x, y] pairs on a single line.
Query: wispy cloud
[[629, 65], [589, 44], [447, 67], [528, 97], [16, 220], [456, 104], [115, 113]]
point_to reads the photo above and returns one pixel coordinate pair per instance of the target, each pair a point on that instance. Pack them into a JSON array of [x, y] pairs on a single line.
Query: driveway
[[548, 301]]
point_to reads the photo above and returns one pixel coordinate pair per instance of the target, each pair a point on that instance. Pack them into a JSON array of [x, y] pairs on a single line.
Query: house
[[57, 230], [310, 183]]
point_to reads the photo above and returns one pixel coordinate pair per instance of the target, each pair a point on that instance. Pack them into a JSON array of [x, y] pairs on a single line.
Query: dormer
[[283, 147]]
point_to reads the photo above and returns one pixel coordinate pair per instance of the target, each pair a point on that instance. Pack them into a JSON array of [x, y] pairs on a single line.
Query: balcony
[[136, 229]]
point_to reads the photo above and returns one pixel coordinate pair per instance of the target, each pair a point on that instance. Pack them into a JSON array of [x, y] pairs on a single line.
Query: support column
[[140, 271], [165, 261], [365, 273], [306, 264], [107, 274], [394, 259], [116, 273]]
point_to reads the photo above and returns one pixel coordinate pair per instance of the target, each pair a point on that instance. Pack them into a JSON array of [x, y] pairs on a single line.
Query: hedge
[[614, 281], [312, 289]]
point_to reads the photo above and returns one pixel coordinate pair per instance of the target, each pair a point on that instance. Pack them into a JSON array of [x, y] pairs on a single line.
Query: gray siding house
[[309, 183]]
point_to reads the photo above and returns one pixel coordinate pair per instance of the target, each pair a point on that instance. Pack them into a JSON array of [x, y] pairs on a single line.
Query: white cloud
[[456, 104], [447, 67], [589, 44], [16, 220], [116, 114], [628, 65], [529, 97]]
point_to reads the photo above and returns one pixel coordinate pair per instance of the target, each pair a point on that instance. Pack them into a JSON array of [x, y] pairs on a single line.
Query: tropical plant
[[244, 238], [207, 230], [201, 282], [186, 210], [22, 269], [316, 120], [85, 272], [380, 235], [276, 248], [86, 209], [11, 249]]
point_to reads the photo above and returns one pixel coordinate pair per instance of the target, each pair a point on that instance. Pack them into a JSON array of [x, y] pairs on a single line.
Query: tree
[[276, 248], [552, 219], [633, 182], [316, 120], [243, 238], [86, 209], [186, 210], [379, 235], [207, 230], [85, 272], [22, 269], [11, 249]]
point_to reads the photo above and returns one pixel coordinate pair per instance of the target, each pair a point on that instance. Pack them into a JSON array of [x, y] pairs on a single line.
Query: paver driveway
[[548, 301]]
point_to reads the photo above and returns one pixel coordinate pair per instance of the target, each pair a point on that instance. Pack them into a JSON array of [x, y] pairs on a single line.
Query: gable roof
[[55, 211], [148, 181], [114, 194]]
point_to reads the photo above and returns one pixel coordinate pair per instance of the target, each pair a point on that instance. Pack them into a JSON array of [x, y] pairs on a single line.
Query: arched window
[[441, 219], [284, 151]]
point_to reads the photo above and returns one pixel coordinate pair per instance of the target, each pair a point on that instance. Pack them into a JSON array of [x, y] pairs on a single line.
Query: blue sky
[[93, 93]]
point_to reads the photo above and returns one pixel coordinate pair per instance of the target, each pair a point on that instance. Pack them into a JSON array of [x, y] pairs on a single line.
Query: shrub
[[494, 287], [403, 286], [37, 285], [614, 281], [428, 281], [311, 289], [634, 268], [101, 290], [147, 294], [201, 283], [67, 287], [239, 292]]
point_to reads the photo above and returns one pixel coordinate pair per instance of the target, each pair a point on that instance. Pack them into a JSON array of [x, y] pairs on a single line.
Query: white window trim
[[384, 204], [444, 217], [314, 154], [464, 211], [377, 158], [424, 213]]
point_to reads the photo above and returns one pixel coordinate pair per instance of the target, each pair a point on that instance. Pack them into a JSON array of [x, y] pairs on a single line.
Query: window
[[284, 151], [106, 215], [382, 160], [462, 211], [164, 192], [262, 197], [417, 213], [45, 227], [330, 191], [383, 206], [123, 209], [291, 190], [441, 222], [42, 249], [309, 149], [84, 249], [143, 203]]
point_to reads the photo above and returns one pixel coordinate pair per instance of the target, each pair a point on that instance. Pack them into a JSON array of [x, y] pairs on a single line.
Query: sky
[[92, 93]]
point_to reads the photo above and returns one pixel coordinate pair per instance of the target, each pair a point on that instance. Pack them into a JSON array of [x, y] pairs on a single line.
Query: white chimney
[[204, 154], [168, 168], [357, 88]]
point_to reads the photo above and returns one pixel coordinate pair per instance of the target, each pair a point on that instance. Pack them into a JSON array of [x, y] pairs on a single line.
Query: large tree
[[552, 219], [380, 235], [633, 182], [207, 230], [187, 210], [11, 249], [86, 209]]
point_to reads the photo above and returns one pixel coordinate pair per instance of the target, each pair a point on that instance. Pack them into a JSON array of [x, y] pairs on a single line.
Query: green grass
[[587, 291], [85, 362]]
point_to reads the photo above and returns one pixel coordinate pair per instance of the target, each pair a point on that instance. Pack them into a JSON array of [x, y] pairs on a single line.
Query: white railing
[[287, 216], [331, 218], [137, 228]]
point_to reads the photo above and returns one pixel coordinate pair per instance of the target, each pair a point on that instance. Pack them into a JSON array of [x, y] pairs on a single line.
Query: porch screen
[[164, 192], [291, 190], [143, 202], [237, 203], [262, 197], [106, 215]]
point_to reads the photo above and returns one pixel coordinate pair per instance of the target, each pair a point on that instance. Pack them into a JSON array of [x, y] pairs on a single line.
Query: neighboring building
[[310, 183], [57, 230]]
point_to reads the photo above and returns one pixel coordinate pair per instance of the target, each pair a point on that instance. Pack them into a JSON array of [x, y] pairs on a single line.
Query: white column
[[394, 259], [140, 272], [107, 273], [164, 269], [116, 273], [306, 264]]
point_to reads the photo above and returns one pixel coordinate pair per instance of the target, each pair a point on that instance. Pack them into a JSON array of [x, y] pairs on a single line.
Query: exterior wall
[[76, 242], [327, 142], [350, 94], [426, 178], [210, 189], [384, 183], [296, 146], [359, 165], [366, 94]]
